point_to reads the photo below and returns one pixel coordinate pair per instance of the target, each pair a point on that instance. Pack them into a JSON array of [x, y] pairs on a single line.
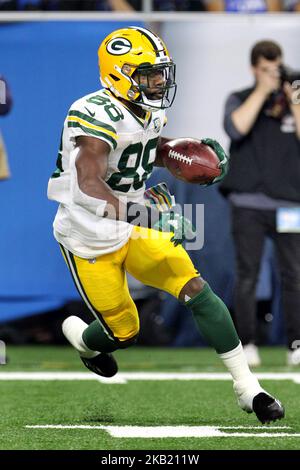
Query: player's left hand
[[172, 222], [159, 196], [223, 165]]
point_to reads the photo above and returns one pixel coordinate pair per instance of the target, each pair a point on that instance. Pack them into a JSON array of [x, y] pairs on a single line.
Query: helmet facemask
[[153, 85]]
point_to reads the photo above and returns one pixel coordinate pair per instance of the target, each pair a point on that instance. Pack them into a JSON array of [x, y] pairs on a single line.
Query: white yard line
[[124, 377], [147, 432]]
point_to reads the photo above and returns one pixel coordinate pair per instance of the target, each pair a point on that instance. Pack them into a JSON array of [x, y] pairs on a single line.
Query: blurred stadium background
[[49, 62]]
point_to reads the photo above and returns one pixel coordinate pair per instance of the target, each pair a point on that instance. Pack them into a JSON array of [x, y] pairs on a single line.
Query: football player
[[110, 143]]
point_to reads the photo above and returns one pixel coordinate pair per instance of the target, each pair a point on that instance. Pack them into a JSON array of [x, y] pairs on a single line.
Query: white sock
[[237, 364], [245, 383], [72, 328]]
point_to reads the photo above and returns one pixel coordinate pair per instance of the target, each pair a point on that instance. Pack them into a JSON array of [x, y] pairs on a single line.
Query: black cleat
[[267, 408], [104, 364]]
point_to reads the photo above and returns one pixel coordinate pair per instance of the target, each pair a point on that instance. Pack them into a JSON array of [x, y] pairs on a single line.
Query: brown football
[[190, 160]]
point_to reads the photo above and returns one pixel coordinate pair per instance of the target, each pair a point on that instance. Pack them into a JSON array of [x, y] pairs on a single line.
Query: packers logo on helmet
[[118, 46], [128, 58]]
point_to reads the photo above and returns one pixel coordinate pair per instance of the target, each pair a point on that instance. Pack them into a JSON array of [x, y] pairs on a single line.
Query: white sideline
[[124, 377], [147, 432]]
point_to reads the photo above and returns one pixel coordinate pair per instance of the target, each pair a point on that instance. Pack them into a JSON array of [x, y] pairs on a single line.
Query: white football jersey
[[133, 144]]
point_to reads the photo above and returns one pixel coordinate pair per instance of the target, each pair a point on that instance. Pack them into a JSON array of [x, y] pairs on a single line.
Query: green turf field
[[142, 403]]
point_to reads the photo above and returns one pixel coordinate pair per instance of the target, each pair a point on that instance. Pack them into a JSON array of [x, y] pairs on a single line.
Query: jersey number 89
[[139, 172]]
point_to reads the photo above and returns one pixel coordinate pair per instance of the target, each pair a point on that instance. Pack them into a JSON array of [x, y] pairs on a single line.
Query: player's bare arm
[[91, 166]]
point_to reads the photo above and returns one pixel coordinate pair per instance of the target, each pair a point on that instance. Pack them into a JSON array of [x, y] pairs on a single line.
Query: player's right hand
[[221, 154], [176, 223]]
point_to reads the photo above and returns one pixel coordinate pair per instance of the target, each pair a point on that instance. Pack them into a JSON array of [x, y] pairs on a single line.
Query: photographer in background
[[5, 107], [263, 123]]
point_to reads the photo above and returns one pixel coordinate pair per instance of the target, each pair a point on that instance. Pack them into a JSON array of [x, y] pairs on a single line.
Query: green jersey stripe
[[90, 131], [91, 120]]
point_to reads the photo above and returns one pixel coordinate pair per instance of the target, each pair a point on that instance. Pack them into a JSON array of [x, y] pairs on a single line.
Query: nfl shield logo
[[157, 125]]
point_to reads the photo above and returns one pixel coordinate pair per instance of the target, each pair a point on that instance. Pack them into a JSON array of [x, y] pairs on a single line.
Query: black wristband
[[140, 215]]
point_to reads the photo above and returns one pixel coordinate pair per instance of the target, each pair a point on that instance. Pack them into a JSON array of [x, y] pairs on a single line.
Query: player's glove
[[223, 165], [179, 225], [159, 196]]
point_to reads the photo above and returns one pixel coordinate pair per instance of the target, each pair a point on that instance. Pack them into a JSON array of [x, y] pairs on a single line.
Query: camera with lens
[[277, 104], [288, 75]]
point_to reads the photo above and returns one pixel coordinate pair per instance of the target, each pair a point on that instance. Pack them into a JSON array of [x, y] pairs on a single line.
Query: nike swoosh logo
[[90, 113]]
